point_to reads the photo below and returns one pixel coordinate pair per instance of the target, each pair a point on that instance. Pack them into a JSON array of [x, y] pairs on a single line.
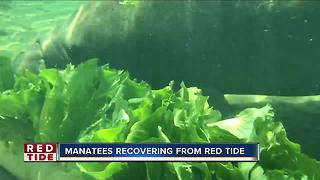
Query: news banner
[[141, 152]]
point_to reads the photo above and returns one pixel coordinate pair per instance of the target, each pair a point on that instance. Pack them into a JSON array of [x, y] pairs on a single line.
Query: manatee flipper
[[218, 101], [283, 104]]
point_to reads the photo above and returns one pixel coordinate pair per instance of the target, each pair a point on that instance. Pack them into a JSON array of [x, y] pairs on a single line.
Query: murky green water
[[23, 21], [234, 50]]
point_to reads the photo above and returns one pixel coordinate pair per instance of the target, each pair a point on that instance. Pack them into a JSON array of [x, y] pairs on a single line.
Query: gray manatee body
[[151, 40], [230, 47], [235, 47], [221, 47]]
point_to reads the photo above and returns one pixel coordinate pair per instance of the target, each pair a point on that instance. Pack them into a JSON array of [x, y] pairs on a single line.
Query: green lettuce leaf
[[91, 103]]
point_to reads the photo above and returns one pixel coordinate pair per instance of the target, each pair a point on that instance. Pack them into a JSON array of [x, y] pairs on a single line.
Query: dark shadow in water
[[4, 174]]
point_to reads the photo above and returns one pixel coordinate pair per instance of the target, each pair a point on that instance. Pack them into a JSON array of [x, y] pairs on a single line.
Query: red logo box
[[40, 152]]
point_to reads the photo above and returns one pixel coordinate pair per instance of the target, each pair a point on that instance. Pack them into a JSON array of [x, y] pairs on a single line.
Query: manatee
[[258, 52], [127, 37], [228, 47], [233, 47]]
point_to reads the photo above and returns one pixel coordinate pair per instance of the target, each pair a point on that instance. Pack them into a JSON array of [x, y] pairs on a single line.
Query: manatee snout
[[48, 53], [31, 59]]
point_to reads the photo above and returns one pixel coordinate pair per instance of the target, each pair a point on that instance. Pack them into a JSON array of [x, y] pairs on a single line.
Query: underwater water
[[23, 21], [242, 54]]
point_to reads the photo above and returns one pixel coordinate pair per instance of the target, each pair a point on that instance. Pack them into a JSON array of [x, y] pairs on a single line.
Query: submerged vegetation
[[91, 103], [268, 48]]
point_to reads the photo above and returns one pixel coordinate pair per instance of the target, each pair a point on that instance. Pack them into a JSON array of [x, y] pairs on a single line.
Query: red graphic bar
[[40, 148]]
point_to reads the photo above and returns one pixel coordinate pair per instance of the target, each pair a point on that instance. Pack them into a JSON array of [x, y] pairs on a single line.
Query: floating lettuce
[[92, 103]]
